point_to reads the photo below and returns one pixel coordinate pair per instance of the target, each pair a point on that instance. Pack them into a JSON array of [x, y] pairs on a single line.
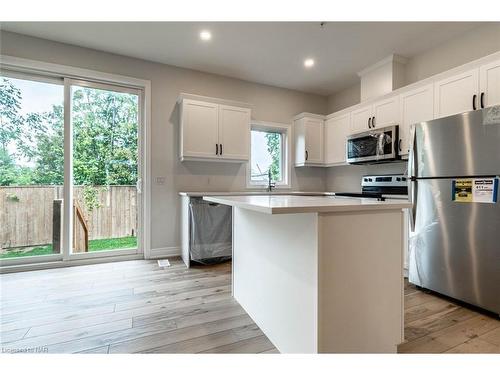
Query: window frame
[[285, 130]]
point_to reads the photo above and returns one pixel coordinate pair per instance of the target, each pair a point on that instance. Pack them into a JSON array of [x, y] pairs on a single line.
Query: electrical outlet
[[160, 180]]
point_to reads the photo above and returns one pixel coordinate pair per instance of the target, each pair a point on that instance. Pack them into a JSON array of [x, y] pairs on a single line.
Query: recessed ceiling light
[[205, 35], [308, 63]]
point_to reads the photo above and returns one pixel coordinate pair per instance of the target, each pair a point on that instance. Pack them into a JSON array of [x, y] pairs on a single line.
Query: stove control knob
[[398, 178]]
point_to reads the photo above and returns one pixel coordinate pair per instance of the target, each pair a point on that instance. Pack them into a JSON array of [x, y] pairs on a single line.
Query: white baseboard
[[165, 252]]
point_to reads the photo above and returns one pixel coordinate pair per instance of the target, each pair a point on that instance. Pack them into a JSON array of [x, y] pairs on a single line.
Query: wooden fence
[[26, 213]]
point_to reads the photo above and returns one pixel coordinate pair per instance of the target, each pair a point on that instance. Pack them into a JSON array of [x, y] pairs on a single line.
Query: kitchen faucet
[[270, 184]]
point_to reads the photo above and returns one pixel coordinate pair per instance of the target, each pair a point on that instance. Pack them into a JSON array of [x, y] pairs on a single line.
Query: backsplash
[[347, 178]]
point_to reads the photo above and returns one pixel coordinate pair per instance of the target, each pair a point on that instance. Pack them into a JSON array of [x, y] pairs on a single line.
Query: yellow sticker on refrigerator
[[475, 190]]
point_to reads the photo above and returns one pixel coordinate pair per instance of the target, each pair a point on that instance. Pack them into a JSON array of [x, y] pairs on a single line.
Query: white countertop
[[288, 204], [257, 192]]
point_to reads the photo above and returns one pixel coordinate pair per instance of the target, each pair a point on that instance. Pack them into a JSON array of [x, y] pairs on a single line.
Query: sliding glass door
[[31, 166], [105, 168], [70, 169]]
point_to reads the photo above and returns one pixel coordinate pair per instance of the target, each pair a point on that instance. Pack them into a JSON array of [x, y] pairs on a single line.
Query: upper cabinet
[[416, 106], [456, 94], [234, 132], [336, 131], [308, 130], [212, 131], [473, 89], [386, 112], [361, 119], [489, 83], [377, 115]]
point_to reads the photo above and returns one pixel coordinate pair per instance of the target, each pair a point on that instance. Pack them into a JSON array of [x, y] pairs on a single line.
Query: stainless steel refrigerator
[[455, 239]]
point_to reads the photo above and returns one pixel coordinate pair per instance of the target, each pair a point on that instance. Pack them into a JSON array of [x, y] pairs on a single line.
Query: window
[[269, 154]]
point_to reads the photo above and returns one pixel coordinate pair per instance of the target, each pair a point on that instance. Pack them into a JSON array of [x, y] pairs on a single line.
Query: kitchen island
[[320, 274]]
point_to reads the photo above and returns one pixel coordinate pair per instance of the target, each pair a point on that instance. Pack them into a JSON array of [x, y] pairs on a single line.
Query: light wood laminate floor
[[136, 307]]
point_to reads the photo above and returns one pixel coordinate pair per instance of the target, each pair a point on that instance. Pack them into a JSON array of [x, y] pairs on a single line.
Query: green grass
[[94, 245]]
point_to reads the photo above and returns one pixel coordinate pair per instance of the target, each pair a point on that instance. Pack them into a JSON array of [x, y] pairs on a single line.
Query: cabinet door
[[359, 119], [455, 94], [336, 130], [416, 106], [386, 112], [234, 132], [314, 140], [490, 84], [199, 129]]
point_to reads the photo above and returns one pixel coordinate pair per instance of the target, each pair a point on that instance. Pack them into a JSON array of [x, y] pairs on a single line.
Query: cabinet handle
[[370, 123], [373, 122], [221, 148], [482, 100], [399, 145], [474, 102], [216, 149], [307, 155]]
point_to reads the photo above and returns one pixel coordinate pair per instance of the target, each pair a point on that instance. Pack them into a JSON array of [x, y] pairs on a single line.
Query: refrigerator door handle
[[413, 196], [412, 158], [412, 177]]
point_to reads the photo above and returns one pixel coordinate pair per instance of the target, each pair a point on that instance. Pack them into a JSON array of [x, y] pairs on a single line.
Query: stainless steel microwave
[[373, 146]]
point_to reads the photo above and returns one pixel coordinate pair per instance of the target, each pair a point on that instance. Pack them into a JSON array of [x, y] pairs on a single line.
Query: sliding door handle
[[474, 102]]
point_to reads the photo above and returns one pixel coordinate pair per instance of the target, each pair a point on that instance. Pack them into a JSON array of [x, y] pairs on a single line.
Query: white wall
[[270, 103], [474, 44]]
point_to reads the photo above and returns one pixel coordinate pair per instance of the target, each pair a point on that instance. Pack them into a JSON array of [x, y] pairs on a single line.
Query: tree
[[10, 120], [104, 139], [274, 148]]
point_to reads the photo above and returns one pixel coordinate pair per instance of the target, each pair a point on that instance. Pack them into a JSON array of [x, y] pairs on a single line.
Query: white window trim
[[16, 65], [286, 130]]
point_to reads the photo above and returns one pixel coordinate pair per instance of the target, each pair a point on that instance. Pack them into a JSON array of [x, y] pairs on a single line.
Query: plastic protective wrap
[[210, 231]]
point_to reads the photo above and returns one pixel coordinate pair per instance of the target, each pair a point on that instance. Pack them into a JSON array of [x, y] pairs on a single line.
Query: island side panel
[[360, 282], [275, 276]]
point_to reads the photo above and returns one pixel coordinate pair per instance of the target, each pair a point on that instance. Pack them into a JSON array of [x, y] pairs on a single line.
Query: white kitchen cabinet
[[212, 131], [234, 132], [416, 106], [361, 119], [385, 112], [336, 131], [199, 129], [456, 94], [308, 130], [489, 84], [376, 115]]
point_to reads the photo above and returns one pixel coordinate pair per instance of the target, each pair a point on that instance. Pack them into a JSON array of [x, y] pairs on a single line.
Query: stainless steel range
[[381, 187]]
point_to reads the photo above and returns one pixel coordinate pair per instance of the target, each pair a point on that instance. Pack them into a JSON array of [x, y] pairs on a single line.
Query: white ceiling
[[265, 52]]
